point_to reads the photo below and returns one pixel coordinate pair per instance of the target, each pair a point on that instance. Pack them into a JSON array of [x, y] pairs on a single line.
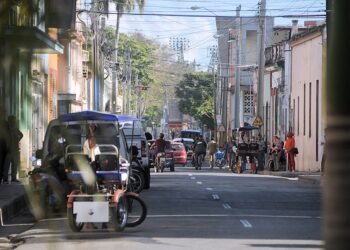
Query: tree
[[121, 7], [196, 95]]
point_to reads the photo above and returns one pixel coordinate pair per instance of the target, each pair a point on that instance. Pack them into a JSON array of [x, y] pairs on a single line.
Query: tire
[[119, 215], [137, 210], [74, 226], [137, 181]]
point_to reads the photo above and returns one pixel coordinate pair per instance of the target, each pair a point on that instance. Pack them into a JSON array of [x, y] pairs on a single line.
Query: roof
[[92, 115]]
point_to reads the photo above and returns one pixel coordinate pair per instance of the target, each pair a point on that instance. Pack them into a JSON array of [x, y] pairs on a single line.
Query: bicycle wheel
[[137, 210]]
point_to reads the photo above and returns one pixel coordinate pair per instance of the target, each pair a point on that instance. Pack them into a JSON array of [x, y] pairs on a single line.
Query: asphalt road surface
[[207, 209]]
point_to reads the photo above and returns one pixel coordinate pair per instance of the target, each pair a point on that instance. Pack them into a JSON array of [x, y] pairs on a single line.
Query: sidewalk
[[309, 177], [12, 201]]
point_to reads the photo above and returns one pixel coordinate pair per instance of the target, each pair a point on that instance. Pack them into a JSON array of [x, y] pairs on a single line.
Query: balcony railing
[[274, 54]]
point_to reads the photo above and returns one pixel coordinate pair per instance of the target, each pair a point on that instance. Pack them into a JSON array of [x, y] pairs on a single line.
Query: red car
[[180, 154]]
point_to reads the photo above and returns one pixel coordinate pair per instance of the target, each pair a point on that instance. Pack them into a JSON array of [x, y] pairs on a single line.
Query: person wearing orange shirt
[[288, 146]]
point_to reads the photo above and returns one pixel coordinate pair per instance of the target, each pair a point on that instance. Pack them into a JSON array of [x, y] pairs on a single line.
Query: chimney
[[294, 30]]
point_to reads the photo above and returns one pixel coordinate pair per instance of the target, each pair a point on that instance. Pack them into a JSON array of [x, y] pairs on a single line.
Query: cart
[[98, 189], [247, 149]]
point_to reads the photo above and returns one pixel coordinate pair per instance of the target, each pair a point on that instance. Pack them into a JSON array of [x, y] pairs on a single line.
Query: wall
[[306, 71]]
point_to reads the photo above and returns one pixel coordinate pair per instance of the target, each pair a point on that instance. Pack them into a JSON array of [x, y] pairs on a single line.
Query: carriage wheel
[[73, 224]]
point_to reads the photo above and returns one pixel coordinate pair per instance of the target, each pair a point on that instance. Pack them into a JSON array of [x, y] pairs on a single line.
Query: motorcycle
[[160, 162]]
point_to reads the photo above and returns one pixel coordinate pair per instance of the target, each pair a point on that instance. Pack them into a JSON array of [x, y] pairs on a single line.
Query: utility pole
[[262, 20], [129, 75], [238, 70]]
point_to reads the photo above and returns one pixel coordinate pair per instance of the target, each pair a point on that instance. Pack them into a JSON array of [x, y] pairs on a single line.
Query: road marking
[[190, 174], [216, 197], [226, 206], [199, 182], [231, 215], [193, 178], [246, 224], [209, 189]]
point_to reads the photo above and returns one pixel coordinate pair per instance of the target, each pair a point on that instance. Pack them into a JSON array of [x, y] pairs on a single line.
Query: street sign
[[221, 128], [258, 122]]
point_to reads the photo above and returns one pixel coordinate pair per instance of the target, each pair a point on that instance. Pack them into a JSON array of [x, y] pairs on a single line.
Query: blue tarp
[[95, 116]]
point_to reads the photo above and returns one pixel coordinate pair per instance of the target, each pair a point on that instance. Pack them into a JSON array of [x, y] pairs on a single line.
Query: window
[[298, 114], [248, 102], [310, 109], [317, 118], [304, 108]]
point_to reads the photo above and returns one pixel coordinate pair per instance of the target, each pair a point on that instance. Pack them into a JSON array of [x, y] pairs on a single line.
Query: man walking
[[212, 148]]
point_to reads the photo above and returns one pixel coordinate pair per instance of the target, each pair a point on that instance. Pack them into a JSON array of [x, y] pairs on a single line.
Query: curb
[[13, 208]]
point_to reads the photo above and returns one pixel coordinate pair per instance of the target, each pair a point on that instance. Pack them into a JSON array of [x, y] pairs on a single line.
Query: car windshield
[[178, 147]]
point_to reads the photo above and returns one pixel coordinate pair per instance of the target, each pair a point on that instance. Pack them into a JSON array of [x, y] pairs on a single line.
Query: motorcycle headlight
[[124, 176]]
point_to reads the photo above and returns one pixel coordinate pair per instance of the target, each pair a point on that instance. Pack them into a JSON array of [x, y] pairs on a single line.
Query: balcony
[[274, 54], [31, 39]]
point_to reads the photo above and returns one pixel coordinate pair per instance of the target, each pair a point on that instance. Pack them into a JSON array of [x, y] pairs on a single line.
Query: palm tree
[[122, 6]]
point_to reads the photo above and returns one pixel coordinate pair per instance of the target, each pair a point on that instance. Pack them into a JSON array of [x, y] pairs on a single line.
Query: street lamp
[[195, 7]]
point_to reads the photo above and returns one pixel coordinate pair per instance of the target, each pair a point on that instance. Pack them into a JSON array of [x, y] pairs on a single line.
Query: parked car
[[169, 155], [180, 154], [188, 143]]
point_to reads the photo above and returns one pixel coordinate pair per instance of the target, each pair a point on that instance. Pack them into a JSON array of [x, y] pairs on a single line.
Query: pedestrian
[[289, 148], [4, 143], [228, 150], [261, 153], [212, 148], [15, 136], [275, 152]]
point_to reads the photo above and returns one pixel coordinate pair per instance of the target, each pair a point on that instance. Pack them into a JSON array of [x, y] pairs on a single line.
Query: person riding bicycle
[[159, 146], [200, 148]]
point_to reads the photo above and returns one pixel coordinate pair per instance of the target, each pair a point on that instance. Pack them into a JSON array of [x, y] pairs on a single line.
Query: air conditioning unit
[[86, 56]]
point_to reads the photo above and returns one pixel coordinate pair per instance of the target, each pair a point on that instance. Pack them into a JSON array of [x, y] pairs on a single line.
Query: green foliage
[[153, 114], [196, 97], [141, 51]]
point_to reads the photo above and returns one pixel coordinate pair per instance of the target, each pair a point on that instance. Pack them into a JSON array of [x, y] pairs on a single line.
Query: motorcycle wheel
[[137, 210], [137, 182], [73, 224], [119, 215]]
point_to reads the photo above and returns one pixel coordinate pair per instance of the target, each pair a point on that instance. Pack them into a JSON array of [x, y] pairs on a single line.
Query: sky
[[200, 31]]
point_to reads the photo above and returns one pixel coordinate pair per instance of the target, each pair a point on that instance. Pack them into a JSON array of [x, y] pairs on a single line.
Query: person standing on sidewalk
[[288, 146], [15, 136], [228, 150], [4, 143], [212, 148]]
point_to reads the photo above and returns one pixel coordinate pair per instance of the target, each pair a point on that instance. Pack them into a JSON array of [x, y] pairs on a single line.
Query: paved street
[[208, 209]]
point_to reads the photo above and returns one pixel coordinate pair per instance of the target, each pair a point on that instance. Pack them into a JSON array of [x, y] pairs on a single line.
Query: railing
[[274, 54]]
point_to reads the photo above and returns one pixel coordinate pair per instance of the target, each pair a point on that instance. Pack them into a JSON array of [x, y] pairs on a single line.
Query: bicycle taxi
[[246, 150], [99, 188]]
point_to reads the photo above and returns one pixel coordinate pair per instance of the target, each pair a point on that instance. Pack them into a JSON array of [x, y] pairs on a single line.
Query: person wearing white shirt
[[91, 148]]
